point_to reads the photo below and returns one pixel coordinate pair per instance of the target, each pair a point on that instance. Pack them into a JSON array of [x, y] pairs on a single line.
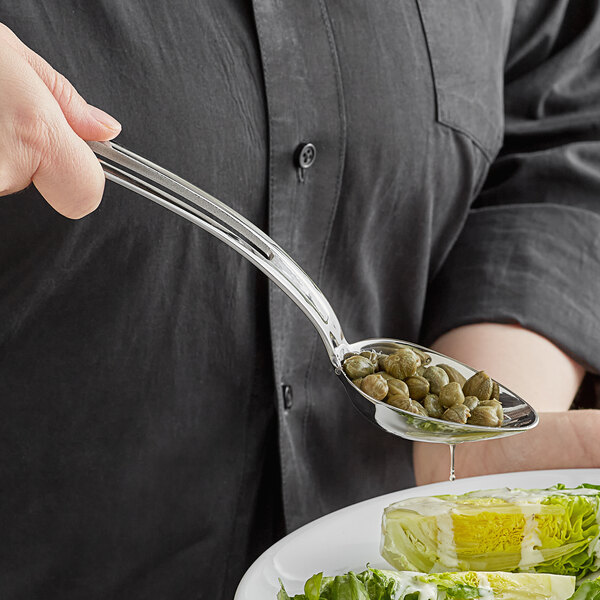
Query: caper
[[372, 356], [399, 401], [358, 366], [433, 406], [437, 378], [471, 402], [480, 385], [424, 358], [407, 404], [495, 391], [451, 394], [497, 406], [402, 364], [484, 415], [418, 387], [397, 387], [453, 374], [458, 413], [421, 370], [375, 386], [357, 381], [417, 408]]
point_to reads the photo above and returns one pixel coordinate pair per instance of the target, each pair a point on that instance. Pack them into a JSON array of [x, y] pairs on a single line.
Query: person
[[167, 413]]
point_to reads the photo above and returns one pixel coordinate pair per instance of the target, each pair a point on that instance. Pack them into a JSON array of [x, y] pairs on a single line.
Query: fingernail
[[104, 118]]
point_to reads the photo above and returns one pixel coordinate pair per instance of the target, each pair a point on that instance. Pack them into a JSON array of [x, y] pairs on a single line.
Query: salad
[[507, 544], [375, 584], [554, 530]]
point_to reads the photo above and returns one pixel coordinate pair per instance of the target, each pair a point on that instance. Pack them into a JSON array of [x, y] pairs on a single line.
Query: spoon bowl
[[203, 210], [518, 415]]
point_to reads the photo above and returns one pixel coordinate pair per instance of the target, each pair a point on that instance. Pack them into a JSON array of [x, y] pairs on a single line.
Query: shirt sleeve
[[529, 252]]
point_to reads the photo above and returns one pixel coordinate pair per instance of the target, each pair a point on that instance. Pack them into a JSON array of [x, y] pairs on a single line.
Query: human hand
[[43, 125]]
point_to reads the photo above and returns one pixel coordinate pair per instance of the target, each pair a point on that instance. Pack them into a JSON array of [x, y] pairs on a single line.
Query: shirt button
[[305, 155], [288, 396]]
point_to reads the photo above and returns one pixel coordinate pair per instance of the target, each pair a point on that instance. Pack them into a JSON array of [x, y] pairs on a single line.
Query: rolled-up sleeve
[[529, 252]]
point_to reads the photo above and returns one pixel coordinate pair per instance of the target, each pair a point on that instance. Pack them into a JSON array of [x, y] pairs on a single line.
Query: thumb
[[88, 122]]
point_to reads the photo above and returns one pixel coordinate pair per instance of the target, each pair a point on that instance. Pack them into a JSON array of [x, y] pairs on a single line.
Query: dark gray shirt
[[146, 447]]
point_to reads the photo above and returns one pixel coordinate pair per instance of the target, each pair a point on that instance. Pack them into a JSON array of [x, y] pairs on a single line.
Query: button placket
[[305, 102]]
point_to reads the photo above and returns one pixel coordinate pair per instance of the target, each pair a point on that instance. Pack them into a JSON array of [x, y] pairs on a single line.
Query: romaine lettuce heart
[[552, 531]]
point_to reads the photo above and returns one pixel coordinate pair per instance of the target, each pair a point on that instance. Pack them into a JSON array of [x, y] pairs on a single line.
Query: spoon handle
[[186, 200]]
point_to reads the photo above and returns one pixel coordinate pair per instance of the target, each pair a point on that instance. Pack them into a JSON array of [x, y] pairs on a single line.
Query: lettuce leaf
[[375, 584], [588, 590]]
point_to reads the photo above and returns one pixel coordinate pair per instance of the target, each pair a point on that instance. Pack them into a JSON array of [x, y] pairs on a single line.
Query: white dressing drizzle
[[409, 583], [485, 589], [529, 555], [428, 506], [446, 543]]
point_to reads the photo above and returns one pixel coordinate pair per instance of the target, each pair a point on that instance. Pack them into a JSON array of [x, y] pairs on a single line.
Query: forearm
[[548, 379], [560, 441], [523, 361]]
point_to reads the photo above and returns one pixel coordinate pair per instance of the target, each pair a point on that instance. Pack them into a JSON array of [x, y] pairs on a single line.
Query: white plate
[[348, 539]]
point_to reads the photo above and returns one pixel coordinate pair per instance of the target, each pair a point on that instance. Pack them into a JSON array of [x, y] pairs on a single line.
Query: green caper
[[484, 415], [398, 387], [421, 370], [437, 378], [358, 366], [480, 385], [402, 364], [424, 358], [453, 374], [407, 404], [471, 402], [357, 381], [495, 391], [458, 413], [497, 406], [418, 387], [399, 401], [417, 408], [420, 353], [451, 394], [372, 356], [433, 406], [375, 386]]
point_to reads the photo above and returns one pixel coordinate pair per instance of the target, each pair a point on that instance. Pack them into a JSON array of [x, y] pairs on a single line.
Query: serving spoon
[[186, 200]]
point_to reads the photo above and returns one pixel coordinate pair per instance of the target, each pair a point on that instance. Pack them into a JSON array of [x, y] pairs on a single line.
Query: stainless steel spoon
[[186, 200]]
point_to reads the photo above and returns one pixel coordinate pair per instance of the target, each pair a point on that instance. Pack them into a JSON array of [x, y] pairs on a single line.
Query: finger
[[69, 175], [37, 144], [89, 122]]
